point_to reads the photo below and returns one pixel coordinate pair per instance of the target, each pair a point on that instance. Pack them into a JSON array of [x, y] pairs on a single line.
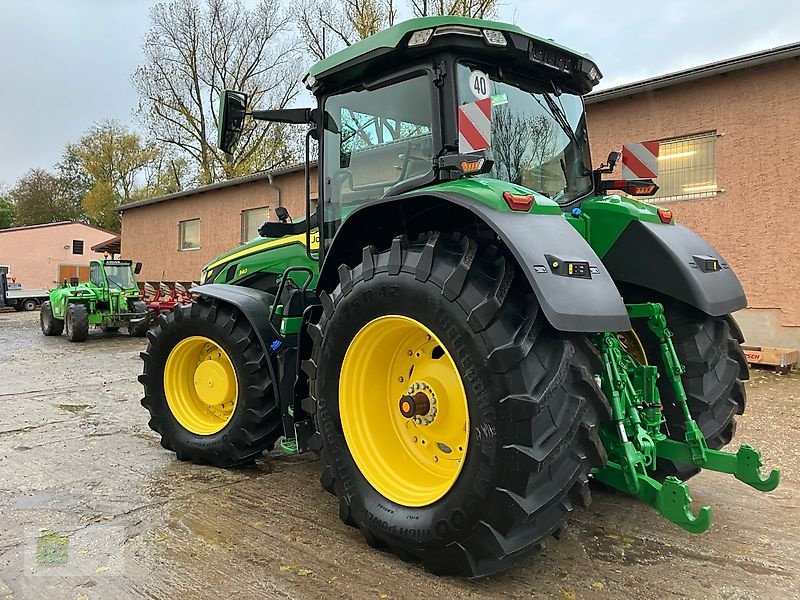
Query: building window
[[77, 246], [687, 167], [252, 219], [189, 235]]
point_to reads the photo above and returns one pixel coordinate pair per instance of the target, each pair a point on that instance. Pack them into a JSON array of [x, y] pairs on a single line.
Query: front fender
[[254, 305], [591, 304], [670, 259]]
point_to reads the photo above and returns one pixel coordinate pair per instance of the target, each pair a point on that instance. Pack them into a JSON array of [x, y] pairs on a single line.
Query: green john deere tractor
[[109, 300], [471, 324]]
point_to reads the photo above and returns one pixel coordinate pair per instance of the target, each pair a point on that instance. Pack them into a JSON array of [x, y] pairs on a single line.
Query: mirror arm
[[296, 116]]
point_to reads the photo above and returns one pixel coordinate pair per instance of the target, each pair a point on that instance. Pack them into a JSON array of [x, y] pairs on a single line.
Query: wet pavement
[[91, 507]]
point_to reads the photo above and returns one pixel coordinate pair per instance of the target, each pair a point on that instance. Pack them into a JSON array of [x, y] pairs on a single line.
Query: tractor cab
[[116, 276], [436, 99]]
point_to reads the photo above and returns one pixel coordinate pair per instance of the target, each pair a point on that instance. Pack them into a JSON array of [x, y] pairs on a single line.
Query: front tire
[[50, 325], [227, 423], [77, 323], [531, 402], [716, 369]]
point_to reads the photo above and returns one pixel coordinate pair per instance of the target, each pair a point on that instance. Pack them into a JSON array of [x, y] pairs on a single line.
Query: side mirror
[[613, 159], [230, 121], [282, 214], [74, 281], [137, 268]]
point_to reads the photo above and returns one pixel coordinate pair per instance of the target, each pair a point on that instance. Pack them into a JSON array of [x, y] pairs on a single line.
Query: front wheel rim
[[200, 385], [404, 410]]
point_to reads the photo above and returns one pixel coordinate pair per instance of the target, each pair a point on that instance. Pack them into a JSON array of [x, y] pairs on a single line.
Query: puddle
[[621, 549]]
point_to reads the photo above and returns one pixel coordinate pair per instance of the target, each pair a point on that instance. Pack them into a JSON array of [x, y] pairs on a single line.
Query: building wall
[[34, 253], [755, 114], [150, 232]]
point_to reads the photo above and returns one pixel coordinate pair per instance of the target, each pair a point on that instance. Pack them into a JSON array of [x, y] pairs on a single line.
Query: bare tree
[[195, 49], [330, 27], [479, 9]]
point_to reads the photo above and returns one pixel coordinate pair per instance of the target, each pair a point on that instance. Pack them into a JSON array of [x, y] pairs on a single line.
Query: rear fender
[[670, 259], [570, 303]]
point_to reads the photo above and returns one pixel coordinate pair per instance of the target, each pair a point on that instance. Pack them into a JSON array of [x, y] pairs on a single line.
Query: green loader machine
[[109, 300], [471, 324]]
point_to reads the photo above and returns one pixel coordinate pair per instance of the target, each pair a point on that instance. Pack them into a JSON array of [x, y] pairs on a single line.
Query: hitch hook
[[673, 503], [748, 470]]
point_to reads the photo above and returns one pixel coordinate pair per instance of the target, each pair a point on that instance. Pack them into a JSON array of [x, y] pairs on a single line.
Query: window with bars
[[77, 246], [189, 235], [252, 219], [687, 167]]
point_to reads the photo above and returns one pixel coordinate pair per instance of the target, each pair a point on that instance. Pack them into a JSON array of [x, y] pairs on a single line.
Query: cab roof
[[395, 39]]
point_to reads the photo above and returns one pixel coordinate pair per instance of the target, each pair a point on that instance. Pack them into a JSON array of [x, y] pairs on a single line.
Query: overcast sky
[[65, 64]]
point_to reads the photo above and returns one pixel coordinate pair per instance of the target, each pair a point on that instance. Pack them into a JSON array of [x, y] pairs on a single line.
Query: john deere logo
[[243, 271]]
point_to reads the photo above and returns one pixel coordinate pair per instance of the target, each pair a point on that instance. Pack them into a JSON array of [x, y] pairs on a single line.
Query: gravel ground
[[91, 506]]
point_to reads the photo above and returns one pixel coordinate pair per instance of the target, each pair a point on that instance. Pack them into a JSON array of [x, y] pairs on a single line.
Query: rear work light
[[420, 38], [494, 37], [521, 202]]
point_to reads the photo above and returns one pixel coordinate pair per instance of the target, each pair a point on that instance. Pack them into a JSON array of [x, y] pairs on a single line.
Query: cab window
[[374, 139], [96, 275]]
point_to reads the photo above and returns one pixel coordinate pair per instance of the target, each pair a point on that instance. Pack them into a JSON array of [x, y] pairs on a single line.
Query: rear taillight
[[522, 202], [665, 216]]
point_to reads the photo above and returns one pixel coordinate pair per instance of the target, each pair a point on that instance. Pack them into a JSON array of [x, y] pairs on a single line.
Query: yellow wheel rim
[[403, 410], [200, 385]]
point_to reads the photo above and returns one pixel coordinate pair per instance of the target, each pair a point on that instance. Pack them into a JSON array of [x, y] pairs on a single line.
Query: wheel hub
[[419, 403], [211, 383]]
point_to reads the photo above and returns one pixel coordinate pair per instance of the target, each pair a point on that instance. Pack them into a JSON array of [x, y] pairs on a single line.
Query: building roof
[[56, 224], [112, 246], [215, 186], [716, 68]]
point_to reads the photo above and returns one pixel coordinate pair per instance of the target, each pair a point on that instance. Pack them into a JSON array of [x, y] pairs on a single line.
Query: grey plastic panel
[[664, 258]]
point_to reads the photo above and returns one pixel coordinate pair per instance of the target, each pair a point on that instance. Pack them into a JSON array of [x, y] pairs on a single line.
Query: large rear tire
[[528, 408], [76, 323], [50, 325], [716, 369], [207, 386]]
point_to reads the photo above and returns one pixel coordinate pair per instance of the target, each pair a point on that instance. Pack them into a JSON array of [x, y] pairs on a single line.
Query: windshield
[[538, 137], [119, 276]]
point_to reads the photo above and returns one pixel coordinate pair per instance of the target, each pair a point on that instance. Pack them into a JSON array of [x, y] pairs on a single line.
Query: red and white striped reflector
[[475, 126], [640, 161]]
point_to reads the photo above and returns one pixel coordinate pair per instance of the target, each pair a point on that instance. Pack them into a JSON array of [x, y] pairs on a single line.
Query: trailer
[[15, 296]]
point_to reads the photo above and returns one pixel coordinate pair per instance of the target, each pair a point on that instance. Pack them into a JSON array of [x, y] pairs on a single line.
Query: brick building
[[42, 256], [729, 136], [729, 157], [175, 235]]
